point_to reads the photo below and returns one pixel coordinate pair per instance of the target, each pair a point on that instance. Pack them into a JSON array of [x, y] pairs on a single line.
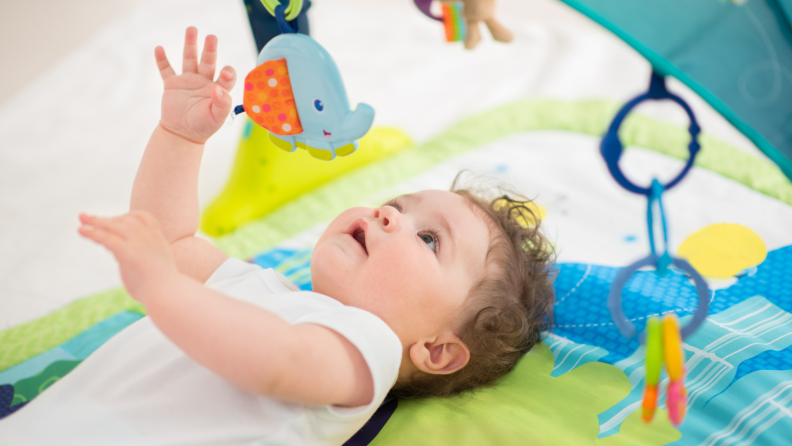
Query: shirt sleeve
[[234, 270], [377, 343]]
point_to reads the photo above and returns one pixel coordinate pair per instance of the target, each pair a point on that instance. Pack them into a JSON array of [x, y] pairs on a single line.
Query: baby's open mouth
[[360, 236]]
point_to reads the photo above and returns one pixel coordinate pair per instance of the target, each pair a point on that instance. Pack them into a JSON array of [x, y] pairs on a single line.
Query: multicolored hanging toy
[[297, 95], [461, 20], [654, 362], [663, 340], [664, 347], [453, 23], [674, 358]]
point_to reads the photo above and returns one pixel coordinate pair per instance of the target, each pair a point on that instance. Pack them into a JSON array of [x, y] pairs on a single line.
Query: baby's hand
[[193, 105], [136, 241]]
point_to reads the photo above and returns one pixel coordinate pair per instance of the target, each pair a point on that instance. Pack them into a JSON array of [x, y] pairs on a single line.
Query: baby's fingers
[[123, 226], [221, 103], [208, 58], [227, 78], [108, 239], [190, 63], [164, 66]]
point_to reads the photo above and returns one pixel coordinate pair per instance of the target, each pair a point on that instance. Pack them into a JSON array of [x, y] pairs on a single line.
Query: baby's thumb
[[221, 103]]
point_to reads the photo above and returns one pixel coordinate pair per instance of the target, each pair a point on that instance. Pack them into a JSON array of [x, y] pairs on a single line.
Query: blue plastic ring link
[[626, 327], [611, 146]]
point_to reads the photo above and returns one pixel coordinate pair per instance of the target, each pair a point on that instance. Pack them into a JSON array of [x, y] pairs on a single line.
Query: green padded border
[[37, 336], [324, 203]]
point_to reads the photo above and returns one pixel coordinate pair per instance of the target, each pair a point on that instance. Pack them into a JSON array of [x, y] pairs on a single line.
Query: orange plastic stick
[[448, 22]]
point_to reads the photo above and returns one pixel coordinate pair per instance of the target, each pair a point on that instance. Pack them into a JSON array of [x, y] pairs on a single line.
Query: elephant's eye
[[318, 104]]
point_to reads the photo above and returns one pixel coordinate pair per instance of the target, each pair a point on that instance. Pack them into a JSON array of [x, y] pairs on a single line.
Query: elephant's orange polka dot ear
[[269, 100]]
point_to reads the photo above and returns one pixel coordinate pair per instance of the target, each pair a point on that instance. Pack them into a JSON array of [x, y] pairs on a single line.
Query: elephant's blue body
[[330, 128]]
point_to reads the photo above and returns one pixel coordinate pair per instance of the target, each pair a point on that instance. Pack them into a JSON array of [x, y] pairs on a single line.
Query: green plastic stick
[[654, 351]]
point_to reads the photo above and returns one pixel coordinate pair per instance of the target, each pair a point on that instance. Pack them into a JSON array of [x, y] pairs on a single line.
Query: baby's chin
[[336, 273], [328, 280]]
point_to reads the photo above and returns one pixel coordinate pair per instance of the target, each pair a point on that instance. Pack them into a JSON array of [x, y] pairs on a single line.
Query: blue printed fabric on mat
[[581, 312]]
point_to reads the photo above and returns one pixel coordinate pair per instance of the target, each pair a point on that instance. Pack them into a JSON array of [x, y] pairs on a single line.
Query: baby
[[431, 293]]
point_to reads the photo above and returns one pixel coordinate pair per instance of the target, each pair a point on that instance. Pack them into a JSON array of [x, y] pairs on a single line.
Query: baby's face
[[411, 261]]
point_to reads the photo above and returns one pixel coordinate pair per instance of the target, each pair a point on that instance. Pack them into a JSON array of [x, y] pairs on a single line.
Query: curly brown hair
[[506, 310]]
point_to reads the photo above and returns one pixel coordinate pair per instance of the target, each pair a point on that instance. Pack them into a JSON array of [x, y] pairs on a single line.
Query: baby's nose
[[388, 217]]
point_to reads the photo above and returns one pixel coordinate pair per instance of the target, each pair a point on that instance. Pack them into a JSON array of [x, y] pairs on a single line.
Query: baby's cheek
[[412, 286], [326, 271]]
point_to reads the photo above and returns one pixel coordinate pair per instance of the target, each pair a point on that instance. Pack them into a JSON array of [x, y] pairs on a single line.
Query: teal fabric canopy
[[738, 57]]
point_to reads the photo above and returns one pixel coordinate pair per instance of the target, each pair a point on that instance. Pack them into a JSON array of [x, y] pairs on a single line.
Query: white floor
[[70, 140]]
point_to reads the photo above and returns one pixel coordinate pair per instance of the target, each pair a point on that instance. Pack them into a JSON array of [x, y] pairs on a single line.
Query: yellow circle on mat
[[723, 250], [538, 210]]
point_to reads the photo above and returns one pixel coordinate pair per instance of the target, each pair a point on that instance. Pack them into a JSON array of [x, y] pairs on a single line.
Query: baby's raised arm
[[194, 107], [247, 345], [163, 265]]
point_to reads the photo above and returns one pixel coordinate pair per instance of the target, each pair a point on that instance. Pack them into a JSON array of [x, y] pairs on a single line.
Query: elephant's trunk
[[357, 123]]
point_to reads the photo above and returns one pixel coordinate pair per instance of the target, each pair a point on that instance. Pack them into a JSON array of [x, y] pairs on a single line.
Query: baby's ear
[[441, 355]]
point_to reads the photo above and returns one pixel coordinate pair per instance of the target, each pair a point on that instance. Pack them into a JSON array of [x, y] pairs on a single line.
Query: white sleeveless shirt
[[139, 389]]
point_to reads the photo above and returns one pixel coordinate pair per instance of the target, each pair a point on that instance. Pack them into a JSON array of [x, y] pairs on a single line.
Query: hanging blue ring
[[626, 327], [611, 146]]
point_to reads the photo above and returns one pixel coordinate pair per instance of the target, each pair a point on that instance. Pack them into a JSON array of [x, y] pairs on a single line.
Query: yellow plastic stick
[[672, 347]]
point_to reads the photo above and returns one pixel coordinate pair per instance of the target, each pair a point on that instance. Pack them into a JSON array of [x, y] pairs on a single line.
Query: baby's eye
[[318, 105], [394, 204], [429, 239]]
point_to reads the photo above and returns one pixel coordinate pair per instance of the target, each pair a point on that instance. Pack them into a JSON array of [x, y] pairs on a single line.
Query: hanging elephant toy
[[297, 95]]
